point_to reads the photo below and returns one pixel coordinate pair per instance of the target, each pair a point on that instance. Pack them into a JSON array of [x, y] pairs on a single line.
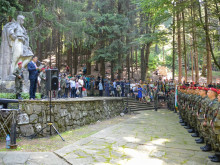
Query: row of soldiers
[[199, 113]]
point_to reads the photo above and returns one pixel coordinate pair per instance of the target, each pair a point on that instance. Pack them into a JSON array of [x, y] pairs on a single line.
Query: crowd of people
[[73, 86], [82, 85]]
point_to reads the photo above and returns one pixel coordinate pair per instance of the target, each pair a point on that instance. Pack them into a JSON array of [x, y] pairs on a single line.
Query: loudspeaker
[[52, 81]]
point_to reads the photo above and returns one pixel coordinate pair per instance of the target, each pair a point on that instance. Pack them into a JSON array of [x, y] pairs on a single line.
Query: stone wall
[[66, 113]]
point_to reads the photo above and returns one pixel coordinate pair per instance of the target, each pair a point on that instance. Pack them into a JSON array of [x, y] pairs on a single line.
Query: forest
[[182, 35]]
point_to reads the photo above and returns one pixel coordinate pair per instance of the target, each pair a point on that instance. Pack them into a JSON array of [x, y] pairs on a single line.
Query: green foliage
[[13, 96]]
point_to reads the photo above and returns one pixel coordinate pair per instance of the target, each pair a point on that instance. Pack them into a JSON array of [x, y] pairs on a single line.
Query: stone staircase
[[134, 105]]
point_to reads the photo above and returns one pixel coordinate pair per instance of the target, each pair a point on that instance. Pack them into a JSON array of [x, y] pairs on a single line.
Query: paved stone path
[[148, 138]]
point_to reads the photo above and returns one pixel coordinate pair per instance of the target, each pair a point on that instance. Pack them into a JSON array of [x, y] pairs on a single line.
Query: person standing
[[43, 83], [100, 88], [107, 88], [114, 85], [92, 87], [67, 69], [19, 80], [33, 75], [118, 91], [67, 87], [122, 88], [62, 86], [73, 87], [140, 93], [81, 84]]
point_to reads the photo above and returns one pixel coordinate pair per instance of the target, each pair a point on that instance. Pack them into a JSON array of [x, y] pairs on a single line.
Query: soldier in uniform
[[187, 107], [214, 130], [212, 94], [183, 105], [200, 114], [192, 110], [195, 112], [43, 84], [180, 103], [62, 86], [19, 80]]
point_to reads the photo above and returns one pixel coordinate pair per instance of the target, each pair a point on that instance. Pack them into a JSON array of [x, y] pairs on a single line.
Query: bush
[[13, 96]]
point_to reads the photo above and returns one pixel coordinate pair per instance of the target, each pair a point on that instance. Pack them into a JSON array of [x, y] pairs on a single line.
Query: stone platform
[[66, 113]]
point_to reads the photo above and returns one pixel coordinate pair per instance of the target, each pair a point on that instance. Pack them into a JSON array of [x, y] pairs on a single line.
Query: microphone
[[38, 61]]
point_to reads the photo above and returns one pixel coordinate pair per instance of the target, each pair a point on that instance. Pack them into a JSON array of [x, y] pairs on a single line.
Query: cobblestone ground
[[149, 138]]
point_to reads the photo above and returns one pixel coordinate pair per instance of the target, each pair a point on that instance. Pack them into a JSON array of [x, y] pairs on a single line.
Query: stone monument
[[14, 48]]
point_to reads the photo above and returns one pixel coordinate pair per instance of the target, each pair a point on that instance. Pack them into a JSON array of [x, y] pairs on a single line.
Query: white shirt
[[81, 83], [114, 84], [72, 84], [34, 64]]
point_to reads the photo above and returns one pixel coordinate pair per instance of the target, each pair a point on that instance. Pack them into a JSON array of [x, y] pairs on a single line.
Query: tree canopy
[[127, 34]]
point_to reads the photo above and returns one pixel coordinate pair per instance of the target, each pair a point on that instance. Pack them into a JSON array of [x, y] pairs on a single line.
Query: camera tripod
[[49, 124]]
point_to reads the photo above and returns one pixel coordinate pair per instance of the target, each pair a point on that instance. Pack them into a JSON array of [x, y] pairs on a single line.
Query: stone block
[[37, 109], [22, 119], [28, 109], [33, 118], [26, 130], [57, 108], [38, 126], [63, 112], [84, 113], [48, 118]]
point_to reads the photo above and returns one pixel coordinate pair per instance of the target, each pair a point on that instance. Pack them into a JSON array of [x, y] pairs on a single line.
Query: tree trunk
[[147, 58], [184, 46], [192, 61], [102, 67], [76, 57], [179, 48], [143, 64], [136, 57], [132, 68], [88, 63], [204, 65], [96, 66], [112, 71], [209, 58], [195, 51], [128, 64], [119, 66], [58, 51], [174, 31]]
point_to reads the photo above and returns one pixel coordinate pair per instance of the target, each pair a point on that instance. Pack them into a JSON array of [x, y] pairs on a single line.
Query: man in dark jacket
[[33, 75]]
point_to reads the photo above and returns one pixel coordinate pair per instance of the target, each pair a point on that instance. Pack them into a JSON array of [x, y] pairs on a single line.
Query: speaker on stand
[[52, 83]]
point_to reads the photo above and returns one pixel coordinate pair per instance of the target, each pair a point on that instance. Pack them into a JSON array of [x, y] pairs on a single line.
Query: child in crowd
[[140, 90]]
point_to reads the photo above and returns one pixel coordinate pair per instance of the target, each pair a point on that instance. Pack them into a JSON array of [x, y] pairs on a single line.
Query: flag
[[176, 97]]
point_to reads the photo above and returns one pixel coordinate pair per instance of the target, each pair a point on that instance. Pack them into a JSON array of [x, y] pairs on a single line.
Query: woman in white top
[[73, 87], [81, 84]]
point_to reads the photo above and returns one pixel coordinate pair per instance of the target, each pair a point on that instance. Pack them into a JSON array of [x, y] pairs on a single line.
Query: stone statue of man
[[14, 47]]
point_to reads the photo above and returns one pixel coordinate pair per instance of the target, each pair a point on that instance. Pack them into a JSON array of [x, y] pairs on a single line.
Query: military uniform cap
[[213, 89], [204, 88]]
